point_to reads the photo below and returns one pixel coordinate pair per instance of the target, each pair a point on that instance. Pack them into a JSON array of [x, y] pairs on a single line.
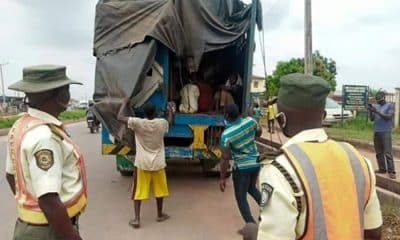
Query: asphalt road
[[197, 208]]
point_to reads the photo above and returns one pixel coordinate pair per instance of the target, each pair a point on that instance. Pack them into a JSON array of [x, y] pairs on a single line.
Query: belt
[[74, 221]]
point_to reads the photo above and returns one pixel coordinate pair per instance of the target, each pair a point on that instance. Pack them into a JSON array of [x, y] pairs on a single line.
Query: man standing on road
[[382, 115], [45, 169], [238, 143], [150, 158], [271, 118], [317, 189]]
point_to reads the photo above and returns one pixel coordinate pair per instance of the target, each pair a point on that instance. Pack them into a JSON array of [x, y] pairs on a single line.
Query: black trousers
[[383, 149], [244, 181]]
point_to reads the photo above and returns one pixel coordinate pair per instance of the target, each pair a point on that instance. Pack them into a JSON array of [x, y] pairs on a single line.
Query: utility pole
[[308, 58], [2, 83]]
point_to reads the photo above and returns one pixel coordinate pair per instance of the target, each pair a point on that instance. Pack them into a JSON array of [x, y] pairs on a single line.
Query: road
[[198, 209]]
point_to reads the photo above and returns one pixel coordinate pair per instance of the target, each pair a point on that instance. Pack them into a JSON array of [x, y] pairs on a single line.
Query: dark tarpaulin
[[187, 27], [122, 24], [211, 25], [124, 52], [119, 76]]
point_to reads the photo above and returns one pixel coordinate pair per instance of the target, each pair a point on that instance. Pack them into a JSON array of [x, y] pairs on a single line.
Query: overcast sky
[[362, 36]]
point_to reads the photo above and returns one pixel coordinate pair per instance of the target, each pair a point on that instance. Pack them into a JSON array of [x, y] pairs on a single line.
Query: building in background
[[257, 87]]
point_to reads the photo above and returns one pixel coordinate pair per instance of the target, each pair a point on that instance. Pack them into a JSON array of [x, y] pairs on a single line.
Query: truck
[[146, 51]]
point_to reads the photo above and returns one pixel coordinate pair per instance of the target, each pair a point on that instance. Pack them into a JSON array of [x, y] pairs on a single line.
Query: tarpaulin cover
[[125, 51]]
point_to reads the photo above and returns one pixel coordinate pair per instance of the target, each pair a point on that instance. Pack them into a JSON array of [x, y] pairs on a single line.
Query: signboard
[[355, 97]]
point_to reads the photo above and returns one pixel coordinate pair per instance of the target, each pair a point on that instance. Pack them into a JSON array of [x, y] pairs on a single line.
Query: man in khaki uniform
[[316, 188], [45, 169]]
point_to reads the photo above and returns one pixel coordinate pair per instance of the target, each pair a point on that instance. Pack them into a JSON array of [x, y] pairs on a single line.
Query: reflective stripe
[[359, 179], [38, 217], [27, 204], [317, 208]]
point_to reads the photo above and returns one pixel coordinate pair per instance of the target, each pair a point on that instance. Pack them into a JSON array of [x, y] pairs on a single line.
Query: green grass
[[358, 129], [72, 115], [65, 116], [7, 122], [360, 123]]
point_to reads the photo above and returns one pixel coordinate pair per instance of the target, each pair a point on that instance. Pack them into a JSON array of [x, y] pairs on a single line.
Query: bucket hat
[[42, 78]]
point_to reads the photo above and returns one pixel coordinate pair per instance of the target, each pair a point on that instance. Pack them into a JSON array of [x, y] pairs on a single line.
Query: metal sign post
[[343, 97]]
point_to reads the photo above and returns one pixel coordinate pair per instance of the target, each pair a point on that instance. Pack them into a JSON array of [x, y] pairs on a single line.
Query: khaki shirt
[[279, 215], [62, 176], [149, 136]]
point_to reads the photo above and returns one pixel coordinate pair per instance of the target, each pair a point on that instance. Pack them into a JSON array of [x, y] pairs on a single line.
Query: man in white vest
[[45, 168]]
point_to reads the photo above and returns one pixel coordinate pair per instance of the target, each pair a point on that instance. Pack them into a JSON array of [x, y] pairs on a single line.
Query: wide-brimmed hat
[[42, 78]]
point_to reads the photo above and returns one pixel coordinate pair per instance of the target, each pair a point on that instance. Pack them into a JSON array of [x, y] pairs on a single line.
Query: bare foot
[[163, 218], [134, 223]]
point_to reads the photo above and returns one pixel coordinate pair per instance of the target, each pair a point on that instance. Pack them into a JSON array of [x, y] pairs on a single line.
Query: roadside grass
[[358, 129], [73, 115], [7, 122]]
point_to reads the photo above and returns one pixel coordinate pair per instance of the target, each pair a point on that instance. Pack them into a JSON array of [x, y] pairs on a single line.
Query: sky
[[362, 36]]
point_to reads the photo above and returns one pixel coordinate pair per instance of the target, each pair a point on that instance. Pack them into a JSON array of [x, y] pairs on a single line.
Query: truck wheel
[[91, 130]]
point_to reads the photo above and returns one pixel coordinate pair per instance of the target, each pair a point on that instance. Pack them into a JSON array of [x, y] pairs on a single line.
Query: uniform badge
[[44, 159], [266, 193]]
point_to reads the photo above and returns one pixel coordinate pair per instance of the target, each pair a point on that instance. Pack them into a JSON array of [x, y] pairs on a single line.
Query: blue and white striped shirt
[[240, 136]]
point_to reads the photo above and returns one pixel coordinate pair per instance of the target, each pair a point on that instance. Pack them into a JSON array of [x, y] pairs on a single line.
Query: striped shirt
[[240, 136]]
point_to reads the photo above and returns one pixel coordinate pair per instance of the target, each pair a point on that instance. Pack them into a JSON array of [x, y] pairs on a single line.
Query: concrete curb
[[388, 198], [4, 131], [367, 146], [384, 182]]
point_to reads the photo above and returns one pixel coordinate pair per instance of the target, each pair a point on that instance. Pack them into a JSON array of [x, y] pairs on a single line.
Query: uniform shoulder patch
[[266, 193], [44, 159]]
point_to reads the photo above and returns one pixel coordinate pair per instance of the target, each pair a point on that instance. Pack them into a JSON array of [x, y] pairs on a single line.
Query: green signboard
[[355, 97]]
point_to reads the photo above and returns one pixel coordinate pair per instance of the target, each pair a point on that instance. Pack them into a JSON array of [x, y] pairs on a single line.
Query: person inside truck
[[230, 92], [206, 100], [234, 85], [222, 98], [190, 94]]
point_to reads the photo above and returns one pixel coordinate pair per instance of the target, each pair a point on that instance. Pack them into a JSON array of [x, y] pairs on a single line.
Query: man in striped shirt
[[238, 143]]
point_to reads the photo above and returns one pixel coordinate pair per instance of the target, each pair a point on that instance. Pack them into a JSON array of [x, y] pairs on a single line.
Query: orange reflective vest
[[337, 185], [27, 204]]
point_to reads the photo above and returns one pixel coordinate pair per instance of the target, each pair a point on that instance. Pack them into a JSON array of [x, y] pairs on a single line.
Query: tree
[[373, 91], [323, 67]]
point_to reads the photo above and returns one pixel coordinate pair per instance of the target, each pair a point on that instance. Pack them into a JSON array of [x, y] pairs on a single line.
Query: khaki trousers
[[24, 231]]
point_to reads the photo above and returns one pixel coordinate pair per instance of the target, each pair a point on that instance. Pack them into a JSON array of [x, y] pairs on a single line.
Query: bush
[[68, 115]]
